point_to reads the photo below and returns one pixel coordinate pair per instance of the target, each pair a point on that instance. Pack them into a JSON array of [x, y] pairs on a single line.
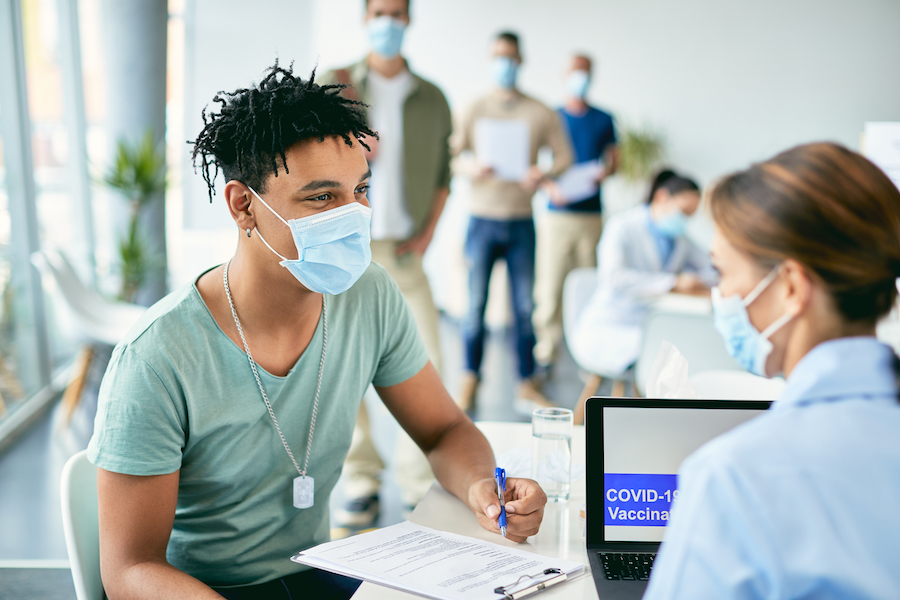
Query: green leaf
[[138, 170], [641, 150]]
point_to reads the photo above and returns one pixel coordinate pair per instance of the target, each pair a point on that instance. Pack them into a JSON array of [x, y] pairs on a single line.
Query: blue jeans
[[486, 241]]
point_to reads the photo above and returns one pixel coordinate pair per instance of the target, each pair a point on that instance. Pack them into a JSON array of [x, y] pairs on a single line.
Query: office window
[[19, 373], [60, 208]]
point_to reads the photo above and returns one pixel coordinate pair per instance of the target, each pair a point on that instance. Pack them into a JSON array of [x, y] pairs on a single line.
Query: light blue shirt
[[664, 244], [801, 502]]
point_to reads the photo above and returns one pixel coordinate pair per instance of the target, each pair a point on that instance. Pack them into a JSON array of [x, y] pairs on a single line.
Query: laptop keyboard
[[627, 566]]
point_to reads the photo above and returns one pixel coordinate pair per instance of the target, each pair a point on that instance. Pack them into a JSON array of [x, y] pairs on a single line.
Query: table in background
[[561, 533]]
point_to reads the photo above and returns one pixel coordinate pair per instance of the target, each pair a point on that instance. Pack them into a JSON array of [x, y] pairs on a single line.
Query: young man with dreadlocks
[[226, 413]]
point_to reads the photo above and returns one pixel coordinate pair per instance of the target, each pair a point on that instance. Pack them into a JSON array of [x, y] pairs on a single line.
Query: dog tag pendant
[[304, 488]]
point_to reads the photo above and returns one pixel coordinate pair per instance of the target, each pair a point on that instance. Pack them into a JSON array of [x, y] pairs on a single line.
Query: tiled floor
[[30, 521]]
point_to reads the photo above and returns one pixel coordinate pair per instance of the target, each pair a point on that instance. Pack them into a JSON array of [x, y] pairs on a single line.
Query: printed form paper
[[580, 181], [432, 563], [505, 146]]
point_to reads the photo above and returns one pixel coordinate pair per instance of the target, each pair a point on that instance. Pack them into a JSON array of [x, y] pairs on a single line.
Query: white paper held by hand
[[432, 563], [580, 181], [505, 146]]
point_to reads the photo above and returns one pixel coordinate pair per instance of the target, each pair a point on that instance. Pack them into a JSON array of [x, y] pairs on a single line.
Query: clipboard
[[440, 565], [508, 592]]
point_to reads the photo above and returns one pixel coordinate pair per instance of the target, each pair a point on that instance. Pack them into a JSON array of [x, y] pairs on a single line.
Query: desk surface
[[682, 303], [561, 531]]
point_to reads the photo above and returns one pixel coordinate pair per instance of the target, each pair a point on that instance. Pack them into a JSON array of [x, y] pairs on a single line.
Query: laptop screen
[[642, 446]]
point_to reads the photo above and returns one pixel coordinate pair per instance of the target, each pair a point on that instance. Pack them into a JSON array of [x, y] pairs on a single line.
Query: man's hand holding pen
[[524, 501]]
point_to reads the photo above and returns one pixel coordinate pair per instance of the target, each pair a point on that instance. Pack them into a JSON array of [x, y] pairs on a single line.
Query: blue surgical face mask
[[672, 225], [577, 84], [505, 70], [749, 347], [333, 247], [385, 35]]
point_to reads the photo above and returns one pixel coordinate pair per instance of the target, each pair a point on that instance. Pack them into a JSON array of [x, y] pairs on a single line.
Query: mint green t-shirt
[[180, 395]]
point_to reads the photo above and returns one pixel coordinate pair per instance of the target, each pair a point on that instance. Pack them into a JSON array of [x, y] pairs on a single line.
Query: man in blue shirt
[[568, 234]]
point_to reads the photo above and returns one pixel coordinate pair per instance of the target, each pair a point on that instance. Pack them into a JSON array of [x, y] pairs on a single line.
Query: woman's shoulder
[[750, 450]]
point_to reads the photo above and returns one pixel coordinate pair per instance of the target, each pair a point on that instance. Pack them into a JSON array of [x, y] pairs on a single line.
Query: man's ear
[[238, 197], [798, 286]]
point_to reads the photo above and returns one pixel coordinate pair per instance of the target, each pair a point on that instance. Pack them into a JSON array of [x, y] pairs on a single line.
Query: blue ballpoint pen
[[500, 476]]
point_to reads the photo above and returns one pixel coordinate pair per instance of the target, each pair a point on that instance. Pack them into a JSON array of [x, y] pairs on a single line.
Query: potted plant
[[641, 152], [139, 174]]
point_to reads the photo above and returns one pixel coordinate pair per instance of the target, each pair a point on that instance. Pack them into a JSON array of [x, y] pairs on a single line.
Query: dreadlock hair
[[255, 126]]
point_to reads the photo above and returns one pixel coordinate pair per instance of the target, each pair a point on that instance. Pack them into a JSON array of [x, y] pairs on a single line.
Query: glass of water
[[551, 451]]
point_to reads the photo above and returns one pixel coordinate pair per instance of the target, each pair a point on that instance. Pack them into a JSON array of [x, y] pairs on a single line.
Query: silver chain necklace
[[304, 486]]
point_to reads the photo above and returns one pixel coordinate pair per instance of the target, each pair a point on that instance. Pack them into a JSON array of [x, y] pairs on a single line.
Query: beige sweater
[[493, 198]]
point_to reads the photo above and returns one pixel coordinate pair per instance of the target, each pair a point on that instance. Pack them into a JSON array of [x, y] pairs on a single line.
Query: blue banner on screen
[[639, 499]]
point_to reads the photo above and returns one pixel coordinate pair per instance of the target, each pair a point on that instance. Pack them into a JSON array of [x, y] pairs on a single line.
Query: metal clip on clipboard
[[540, 586]]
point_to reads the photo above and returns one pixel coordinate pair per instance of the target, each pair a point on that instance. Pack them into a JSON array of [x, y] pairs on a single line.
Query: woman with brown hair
[[801, 502]]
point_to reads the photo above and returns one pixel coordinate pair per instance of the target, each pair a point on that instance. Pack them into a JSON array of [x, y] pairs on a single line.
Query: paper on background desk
[[431, 563], [668, 377], [505, 146]]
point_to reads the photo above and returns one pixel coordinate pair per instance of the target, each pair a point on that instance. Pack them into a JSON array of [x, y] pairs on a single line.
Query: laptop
[[634, 448]]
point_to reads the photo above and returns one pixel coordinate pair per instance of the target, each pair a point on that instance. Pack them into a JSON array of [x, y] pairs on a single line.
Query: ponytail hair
[[826, 207], [672, 182]]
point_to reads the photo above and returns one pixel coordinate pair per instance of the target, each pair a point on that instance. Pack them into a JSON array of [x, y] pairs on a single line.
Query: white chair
[[578, 287], [99, 319], [81, 525], [695, 337], [736, 385]]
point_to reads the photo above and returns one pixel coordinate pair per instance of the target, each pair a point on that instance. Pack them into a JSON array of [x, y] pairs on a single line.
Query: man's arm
[[610, 160], [419, 243], [555, 138], [462, 148], [136, 517], [558, 142], [460, 456]]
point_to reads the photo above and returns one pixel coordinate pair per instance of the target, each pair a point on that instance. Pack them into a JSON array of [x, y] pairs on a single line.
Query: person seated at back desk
[[225, 415], [800, 502], [643, 253]]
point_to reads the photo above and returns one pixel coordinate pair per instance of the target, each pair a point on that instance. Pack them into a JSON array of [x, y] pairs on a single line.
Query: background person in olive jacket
[[410, 182]]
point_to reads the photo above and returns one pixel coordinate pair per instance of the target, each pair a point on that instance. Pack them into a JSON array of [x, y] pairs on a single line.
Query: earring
[[248, 232]]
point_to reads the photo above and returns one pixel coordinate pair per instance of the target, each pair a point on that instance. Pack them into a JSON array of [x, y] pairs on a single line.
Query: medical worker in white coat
[[643, 254]]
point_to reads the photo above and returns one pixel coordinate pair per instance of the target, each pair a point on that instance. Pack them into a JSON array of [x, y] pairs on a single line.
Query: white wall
[[228, 44], [727, 81]]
